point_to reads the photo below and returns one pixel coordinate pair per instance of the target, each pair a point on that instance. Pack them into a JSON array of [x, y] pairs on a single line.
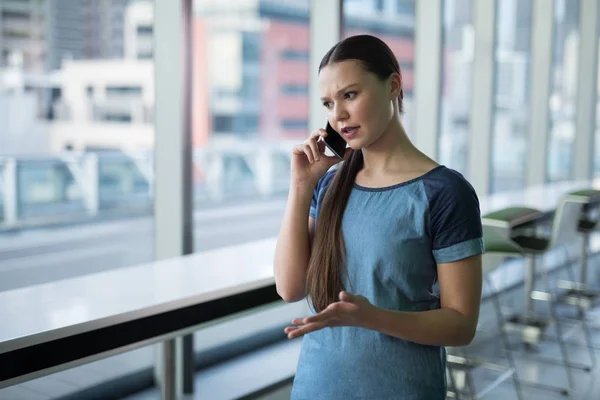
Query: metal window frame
[[585, 125], [482, 100]]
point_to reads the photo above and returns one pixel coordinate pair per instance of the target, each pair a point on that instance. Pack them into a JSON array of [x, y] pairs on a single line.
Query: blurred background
[[77, 109]]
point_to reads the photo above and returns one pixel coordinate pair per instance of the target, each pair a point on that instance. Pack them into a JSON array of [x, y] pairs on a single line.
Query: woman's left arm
[[453, 324]]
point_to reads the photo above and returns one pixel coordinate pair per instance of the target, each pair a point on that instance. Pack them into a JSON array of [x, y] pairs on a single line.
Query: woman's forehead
[[336, 76]]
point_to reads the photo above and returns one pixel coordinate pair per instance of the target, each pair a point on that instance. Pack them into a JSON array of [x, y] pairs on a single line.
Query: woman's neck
[[393, 152]]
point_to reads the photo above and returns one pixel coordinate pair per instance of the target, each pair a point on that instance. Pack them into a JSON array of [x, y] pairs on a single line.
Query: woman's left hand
[[351, 310]]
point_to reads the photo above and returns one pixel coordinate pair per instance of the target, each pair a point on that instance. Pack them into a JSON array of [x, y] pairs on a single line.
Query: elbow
[[289, 296], [466, 337]]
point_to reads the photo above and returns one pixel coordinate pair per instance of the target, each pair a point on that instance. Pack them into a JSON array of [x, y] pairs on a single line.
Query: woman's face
[[359, 105]]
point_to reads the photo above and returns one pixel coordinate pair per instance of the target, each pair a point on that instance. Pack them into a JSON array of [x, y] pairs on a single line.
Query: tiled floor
[[530, 367]]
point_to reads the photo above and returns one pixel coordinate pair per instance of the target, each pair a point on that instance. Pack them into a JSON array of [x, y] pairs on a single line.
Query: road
[[40, 255]]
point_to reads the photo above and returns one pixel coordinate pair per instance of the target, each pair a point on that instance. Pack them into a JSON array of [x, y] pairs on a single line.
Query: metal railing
[[74, 186]]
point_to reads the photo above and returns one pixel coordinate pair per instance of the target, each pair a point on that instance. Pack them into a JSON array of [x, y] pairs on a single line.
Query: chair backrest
[[566, 220]]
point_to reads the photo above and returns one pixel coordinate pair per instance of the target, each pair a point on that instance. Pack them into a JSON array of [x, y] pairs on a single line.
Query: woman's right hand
[[309, 162]]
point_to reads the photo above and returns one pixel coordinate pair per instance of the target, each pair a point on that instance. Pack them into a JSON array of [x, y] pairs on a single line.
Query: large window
[[76, 152], [511, 101], [457, 70], [393, 21], [563, 90], [250, 98], [250, 106], [76, 142], [596, 146]]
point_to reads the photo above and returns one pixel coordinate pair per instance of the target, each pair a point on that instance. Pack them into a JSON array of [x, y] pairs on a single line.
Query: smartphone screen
[[334, 141]]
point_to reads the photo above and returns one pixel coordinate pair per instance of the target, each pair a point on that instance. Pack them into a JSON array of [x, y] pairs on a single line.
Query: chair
[[512, 232], [577, 292]]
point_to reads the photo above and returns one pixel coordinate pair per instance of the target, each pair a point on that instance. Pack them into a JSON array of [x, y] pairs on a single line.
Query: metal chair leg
[[590, 345], [561, 344], [471, 387], [505, 341], [453, 384]]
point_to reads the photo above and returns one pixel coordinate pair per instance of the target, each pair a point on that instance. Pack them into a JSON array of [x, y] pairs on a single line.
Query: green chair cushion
[[511, 214], [585, 193], [493, 242]]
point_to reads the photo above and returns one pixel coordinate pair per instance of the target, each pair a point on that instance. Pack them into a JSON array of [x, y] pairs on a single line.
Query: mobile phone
[[334, 141]]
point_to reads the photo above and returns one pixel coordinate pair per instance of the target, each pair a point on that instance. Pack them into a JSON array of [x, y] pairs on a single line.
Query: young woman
[[386, 246]]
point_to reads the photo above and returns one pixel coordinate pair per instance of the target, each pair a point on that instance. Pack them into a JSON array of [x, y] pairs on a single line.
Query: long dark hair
[[326, 267]]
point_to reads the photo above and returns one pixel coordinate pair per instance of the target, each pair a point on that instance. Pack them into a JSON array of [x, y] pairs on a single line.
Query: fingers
[[315, 146], [294, 332], [318, 133], [290, 329], [325, 315], [312, 151], [311, 146], [345, 296]]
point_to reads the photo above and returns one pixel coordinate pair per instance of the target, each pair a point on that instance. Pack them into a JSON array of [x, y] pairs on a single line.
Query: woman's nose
[[340, 113]]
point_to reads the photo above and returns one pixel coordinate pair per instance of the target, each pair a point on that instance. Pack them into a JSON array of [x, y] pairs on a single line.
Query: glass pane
[[76, 136], [76, 151], [511, 103], [596, 148], [393, 21], [251, 72], [457, 70], [563, 90]]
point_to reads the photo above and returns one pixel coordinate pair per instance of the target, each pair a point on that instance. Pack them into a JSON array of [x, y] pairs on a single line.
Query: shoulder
[[325, 181], [319, 192], [445, 186], [454, 216]]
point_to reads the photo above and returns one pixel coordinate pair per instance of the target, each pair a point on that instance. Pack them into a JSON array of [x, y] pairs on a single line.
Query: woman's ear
[[395, 85]]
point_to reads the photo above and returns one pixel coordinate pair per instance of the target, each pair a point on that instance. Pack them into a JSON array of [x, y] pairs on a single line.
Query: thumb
[[345, 296]]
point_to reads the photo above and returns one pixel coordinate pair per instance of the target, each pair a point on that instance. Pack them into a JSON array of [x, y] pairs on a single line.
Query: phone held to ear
[[334, 141]]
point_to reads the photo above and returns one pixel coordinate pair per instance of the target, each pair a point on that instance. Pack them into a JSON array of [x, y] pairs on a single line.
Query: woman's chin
[[355, 145]]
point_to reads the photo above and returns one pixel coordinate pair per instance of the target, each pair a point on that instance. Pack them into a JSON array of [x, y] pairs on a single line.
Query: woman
[[387, 247]]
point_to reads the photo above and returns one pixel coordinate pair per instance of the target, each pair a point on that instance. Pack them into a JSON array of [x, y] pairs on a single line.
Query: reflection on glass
[[596, 150], [76, 101], [563, 90], [457, 65], [511, 102], [393, 21], [76, 133], [250, 106], [76, 152]]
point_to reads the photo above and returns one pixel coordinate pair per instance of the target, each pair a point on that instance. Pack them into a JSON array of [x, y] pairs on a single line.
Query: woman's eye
[[350, 95], [327, 104]]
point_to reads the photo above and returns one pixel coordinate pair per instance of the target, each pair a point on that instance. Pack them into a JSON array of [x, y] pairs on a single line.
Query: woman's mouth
[[350, 131]]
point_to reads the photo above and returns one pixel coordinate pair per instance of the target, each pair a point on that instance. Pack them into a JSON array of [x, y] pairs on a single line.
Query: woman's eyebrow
[[342, 89]]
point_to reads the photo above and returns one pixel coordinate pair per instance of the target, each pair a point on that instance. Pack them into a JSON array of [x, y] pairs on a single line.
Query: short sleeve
[[455, 220], [314, 203], [319, 193]]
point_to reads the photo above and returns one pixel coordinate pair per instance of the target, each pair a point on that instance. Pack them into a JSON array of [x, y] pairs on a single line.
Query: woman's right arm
[[292, 253], [293, 245]]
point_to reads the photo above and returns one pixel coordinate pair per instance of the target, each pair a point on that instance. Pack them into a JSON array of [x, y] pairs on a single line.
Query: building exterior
[[104, 104], [85, 29], [250, 63], [138, 30], [23, 31]]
